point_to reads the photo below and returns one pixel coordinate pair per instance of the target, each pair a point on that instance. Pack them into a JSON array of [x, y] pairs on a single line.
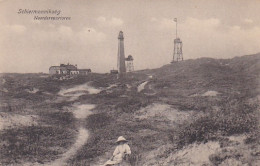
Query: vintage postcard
[[129, 83]]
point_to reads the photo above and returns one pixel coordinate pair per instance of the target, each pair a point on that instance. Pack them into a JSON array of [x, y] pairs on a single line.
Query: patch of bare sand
[[112, 86], [78, 88], [194, 154], [34, 90], [141, 86], [3, 81], [81, 111], [164, 111], [210, 93], [73, 93], [128, 86], [4, 90], [8, 121], [237, 138]]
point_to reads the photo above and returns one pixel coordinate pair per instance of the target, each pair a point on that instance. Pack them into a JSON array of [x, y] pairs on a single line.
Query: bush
[[216, 124]]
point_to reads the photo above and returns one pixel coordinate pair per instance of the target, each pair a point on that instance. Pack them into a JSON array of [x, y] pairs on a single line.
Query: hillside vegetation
[[194, 112]]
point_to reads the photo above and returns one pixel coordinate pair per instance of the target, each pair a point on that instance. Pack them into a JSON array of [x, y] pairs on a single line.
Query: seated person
[[121, 151]]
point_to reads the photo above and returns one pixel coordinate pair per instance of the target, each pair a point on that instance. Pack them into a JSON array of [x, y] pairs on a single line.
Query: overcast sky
[[208, 28]]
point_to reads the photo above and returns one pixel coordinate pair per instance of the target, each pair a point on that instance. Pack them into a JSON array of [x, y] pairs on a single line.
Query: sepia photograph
[[129, 83]]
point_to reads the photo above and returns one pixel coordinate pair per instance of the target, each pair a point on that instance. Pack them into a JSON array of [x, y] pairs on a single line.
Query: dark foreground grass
[[113, 119], [54, 132], [33, 144], [105, 129], [44, 142]]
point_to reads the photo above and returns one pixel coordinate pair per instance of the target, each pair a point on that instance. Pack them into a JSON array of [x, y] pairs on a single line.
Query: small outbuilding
[[114, 71], [84, 71]]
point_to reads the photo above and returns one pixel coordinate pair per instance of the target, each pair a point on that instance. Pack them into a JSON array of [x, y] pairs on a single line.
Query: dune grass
[[182, 85]]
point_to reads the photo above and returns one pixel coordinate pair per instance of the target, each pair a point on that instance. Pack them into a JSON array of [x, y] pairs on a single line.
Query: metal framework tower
[[177, 52], [121, 54], [129, 63]]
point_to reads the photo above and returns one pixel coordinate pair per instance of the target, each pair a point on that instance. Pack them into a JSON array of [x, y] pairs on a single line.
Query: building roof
[[62, 68], [177, 40], [114, 71], [70, 67], [84, 69], [129, 58], [54, 67]]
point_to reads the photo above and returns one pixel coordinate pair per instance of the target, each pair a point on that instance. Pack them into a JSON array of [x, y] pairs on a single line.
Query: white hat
[[121, 139]]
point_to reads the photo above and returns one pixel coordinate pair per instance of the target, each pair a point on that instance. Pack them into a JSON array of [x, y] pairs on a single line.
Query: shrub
[[231, 120]]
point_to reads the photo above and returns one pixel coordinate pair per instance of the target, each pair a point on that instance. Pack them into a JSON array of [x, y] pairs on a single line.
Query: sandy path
[[81, 140], [80, 111], [141, 86]]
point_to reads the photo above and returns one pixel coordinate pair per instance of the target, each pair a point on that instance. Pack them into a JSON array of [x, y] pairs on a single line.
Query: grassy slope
[[37, 143], [237, 111], [179, 85], [236, 80], [56, 129]]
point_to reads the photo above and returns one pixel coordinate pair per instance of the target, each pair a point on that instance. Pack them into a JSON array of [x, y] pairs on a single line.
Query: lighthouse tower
[[121, 54]]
